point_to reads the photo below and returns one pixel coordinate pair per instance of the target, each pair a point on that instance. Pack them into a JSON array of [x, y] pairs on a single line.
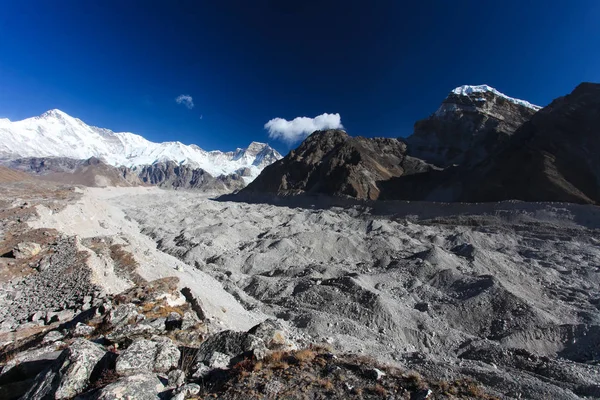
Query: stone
[[69, 375], [39, 315], [191, 389], [60, 316], [83, 330], [26, 250], [167, 355], [176, 378], [123, 314], [145, 386], [44, 264], [52, 337], [158, 355], [218, 360]]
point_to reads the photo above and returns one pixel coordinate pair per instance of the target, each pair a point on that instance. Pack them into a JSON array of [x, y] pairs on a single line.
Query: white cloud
[[186, 100], [299, 128]]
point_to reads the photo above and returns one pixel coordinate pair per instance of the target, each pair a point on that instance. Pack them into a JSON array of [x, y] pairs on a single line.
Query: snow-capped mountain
[[57, 134], [471, 123]]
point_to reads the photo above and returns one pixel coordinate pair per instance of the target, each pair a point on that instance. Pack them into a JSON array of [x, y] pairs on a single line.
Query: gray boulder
[[158, 355], [144, 386], [52, 337], [69, 374], [191, 389], [176, 378], [26, 250], [124, 314]]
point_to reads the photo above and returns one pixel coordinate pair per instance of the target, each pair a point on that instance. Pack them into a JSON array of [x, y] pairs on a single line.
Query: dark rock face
[[333, 163], [553, 157], [171, 175], [467, 129]]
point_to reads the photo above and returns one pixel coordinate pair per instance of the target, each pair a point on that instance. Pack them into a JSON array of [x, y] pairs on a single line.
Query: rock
[[176, 378], [49, 352], [376, 374], [273, 334], [145, 386], [191, 389], [167, 355], [124, 314], [44, 264], [40, 315], [26, 250], [60, 316], [159, 355], [131, 331], [229, 343], [189, 320], [52, 337], [173, 321], [69, 374], [83, 330], [218, 360]]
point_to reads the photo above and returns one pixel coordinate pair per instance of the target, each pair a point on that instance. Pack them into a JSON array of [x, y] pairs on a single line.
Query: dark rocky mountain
[[90, 172], [553, 157], [472, 123], [171, 175], [489, 147], [333, 163]]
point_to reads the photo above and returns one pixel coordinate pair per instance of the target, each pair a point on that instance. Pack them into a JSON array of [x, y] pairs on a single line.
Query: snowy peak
[[470, 90], [57, 134]]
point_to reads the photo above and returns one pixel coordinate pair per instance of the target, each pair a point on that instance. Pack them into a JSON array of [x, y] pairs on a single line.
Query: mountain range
[[55, 134], [480, 145]]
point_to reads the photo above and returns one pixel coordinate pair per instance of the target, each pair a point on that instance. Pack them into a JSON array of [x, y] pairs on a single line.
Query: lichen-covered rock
[[69, 374], [144, 386], [26, 250], [176, 378], [191, 389], [124, 314], [52, 337], [83, 330], [158, 355]]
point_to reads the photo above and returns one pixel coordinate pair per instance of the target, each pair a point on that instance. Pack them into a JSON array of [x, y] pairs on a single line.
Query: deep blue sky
[[380, 64]]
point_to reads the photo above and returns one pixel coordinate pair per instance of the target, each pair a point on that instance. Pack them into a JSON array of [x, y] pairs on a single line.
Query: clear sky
[[380, 64]]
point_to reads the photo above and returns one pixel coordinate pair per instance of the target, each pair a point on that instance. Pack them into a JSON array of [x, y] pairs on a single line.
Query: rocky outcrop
[[333, 163], [472, 123], [170, 175]]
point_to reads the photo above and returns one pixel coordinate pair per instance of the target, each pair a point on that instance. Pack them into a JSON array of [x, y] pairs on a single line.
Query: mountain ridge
[[39, 137]]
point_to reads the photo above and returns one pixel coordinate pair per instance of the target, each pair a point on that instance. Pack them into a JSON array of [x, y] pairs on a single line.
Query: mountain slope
[[331, 162], [472, 123], [91, 172], [167, 174], [552, 157], [56, 134]]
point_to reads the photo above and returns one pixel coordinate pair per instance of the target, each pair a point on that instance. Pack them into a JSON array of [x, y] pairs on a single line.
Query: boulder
[[124, 314], [158, 355], [83, 330], [191, 389], [69, 374], [52, 337], [145, 386], [176, 378], [26, 250]]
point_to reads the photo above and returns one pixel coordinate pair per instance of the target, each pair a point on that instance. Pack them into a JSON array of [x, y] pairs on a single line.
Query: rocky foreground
[[146, 293]]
